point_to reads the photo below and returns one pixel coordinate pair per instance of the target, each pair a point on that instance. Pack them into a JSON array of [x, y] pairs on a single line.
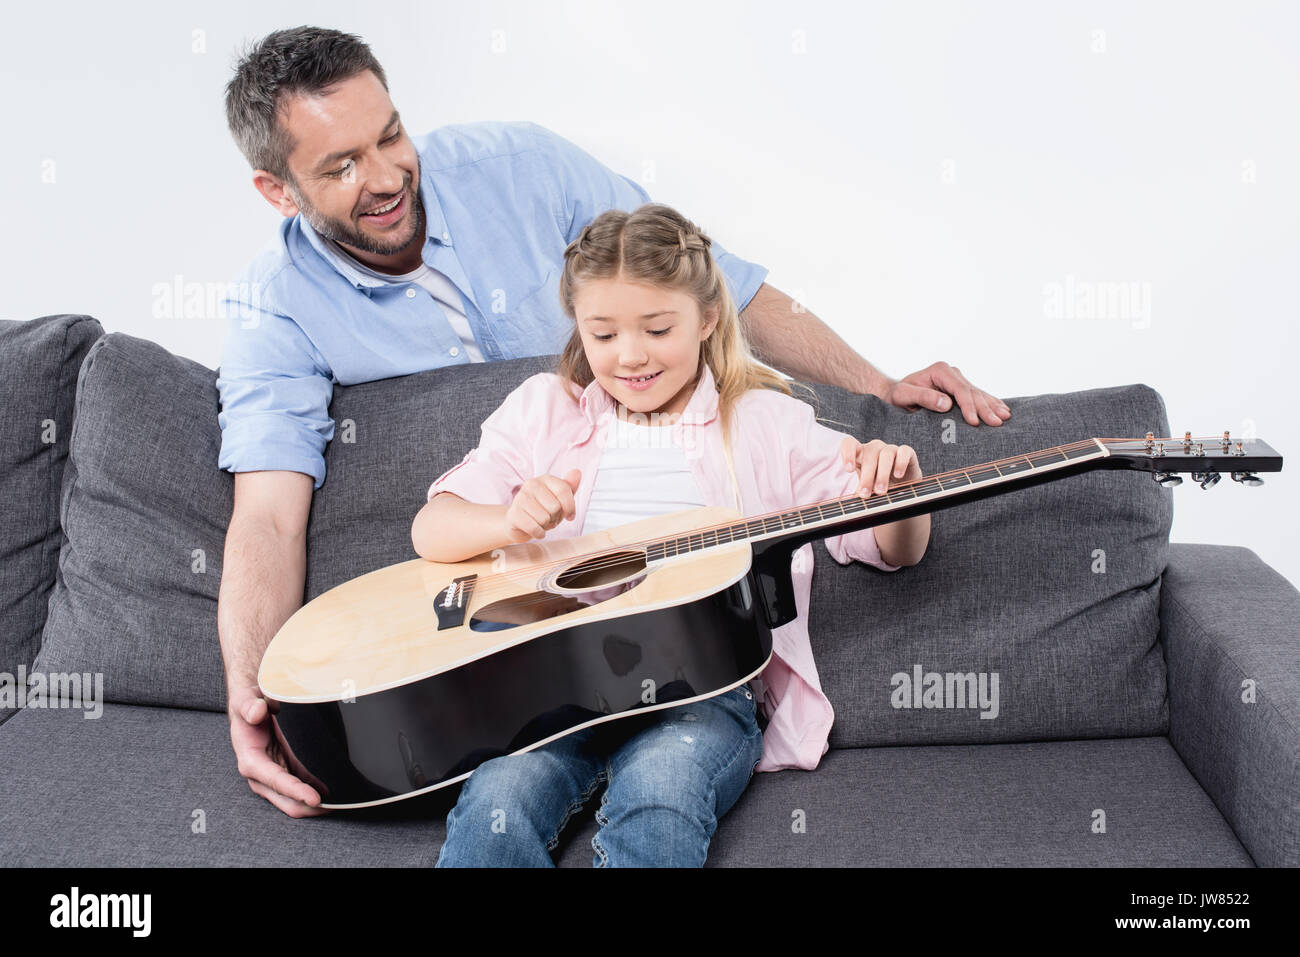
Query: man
[[398, 256]]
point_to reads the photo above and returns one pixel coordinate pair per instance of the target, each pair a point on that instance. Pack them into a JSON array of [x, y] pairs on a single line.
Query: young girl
[[657, 406]]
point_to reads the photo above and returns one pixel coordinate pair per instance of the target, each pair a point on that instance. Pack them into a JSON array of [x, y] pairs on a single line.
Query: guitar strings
[[485, 584], [489, 586], [502, 582], [499, 583]]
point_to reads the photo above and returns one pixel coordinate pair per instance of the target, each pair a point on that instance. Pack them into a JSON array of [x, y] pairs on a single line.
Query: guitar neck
[[1161, 458], [839, 516]]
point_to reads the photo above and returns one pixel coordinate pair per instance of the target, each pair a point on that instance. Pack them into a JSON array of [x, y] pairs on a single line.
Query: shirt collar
[[702, 409], [435, 229]]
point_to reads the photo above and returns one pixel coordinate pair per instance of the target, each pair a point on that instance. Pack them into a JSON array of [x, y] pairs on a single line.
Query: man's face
[[351, 155]]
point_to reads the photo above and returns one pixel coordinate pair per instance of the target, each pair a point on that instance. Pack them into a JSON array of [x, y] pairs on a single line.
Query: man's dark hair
[[303, 60]]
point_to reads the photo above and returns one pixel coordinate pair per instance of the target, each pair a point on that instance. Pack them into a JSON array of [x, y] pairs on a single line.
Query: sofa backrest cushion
[[1053, 588], [39, 360], [1052, 591], [144, 512]]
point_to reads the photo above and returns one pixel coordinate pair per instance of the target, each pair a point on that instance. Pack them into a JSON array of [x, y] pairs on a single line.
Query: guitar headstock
[[1203, 457]]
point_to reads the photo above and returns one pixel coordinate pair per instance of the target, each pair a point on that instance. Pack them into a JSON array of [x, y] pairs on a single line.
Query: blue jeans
[[671, 775]]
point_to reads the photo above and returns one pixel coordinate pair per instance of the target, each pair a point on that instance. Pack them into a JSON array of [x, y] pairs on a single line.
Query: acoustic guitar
[[406, 679]]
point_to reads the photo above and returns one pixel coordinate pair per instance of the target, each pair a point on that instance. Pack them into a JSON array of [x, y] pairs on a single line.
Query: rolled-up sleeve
[[275, 390], [817, 473], [743, 277], [492, 473], [588, 188]]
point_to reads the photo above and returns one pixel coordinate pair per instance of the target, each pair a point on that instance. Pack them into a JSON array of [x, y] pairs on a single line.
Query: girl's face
[[631, 330]]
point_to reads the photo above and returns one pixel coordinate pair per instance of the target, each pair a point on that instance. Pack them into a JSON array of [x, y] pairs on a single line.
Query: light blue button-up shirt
[[502, 202]]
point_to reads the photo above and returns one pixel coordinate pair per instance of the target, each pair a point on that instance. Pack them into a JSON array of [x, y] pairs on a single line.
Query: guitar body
[[380, 691]]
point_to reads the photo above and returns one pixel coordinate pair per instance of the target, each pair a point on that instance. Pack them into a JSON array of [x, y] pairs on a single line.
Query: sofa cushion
[[158, 787], [39, 360], [1053, 590], [144, 513], [169, 772], [999, 805]]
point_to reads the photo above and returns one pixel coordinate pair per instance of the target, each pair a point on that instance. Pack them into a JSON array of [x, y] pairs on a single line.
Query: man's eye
[[349, 164]]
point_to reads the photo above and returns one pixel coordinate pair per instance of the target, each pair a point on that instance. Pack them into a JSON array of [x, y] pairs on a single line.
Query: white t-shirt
[[442, 289], [643, 472]]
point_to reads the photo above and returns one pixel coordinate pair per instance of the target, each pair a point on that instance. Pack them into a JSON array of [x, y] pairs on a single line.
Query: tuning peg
[[1207, 479], [1247, 478], [1167, 479]]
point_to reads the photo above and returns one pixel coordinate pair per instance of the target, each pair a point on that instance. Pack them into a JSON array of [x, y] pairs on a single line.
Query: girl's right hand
[[540, 504]]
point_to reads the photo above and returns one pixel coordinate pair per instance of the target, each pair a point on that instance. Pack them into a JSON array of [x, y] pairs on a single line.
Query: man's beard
[[342, 232]]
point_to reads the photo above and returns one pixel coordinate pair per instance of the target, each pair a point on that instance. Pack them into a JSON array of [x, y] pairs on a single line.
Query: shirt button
[[410, 293], [446, 236], [454, 351]]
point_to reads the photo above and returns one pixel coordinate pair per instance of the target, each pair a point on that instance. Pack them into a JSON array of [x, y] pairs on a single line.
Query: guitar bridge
[[450, 604]]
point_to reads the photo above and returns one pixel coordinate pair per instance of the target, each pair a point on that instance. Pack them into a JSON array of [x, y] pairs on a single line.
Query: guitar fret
[[852, 505]]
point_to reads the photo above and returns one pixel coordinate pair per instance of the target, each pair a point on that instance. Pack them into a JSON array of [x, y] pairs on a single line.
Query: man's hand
[[260, 759], [931, 387]]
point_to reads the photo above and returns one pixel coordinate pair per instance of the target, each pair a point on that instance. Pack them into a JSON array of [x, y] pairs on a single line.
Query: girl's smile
[[641, 383]]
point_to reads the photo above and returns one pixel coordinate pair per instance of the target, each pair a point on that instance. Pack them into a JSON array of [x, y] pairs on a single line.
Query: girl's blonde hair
[[659, 246]]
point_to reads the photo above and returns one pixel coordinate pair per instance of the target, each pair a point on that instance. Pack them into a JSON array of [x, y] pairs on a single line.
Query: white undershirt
[[442, 289], [643, 472]]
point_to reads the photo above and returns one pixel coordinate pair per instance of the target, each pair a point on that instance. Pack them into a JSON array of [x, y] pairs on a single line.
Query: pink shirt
[[783, 458]]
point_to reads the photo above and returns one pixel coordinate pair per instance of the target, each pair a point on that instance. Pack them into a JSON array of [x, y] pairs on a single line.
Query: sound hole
[[540, 605], [602, 570]]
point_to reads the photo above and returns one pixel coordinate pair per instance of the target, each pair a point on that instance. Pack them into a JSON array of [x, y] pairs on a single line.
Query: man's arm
[[786, 336], [262, 577]]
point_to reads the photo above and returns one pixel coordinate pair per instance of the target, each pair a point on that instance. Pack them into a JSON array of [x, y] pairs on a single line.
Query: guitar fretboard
[[836, 511]]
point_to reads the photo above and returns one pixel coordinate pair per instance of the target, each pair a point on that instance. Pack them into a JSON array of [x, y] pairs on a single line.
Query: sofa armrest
[[1230, 627]]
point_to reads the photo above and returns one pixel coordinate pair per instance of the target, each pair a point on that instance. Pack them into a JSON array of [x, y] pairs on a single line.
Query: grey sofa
[[1146, 709]]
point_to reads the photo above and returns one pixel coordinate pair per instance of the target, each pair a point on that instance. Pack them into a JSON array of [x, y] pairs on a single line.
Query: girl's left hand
[[879, 466]]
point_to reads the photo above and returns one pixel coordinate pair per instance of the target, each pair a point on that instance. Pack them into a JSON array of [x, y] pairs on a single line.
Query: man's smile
[[387, 213]]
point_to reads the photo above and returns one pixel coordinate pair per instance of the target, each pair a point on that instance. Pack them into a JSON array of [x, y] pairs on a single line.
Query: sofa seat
[[123, 789]]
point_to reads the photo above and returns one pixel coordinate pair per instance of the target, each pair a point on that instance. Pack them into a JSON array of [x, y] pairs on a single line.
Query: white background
[[929, 178]]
